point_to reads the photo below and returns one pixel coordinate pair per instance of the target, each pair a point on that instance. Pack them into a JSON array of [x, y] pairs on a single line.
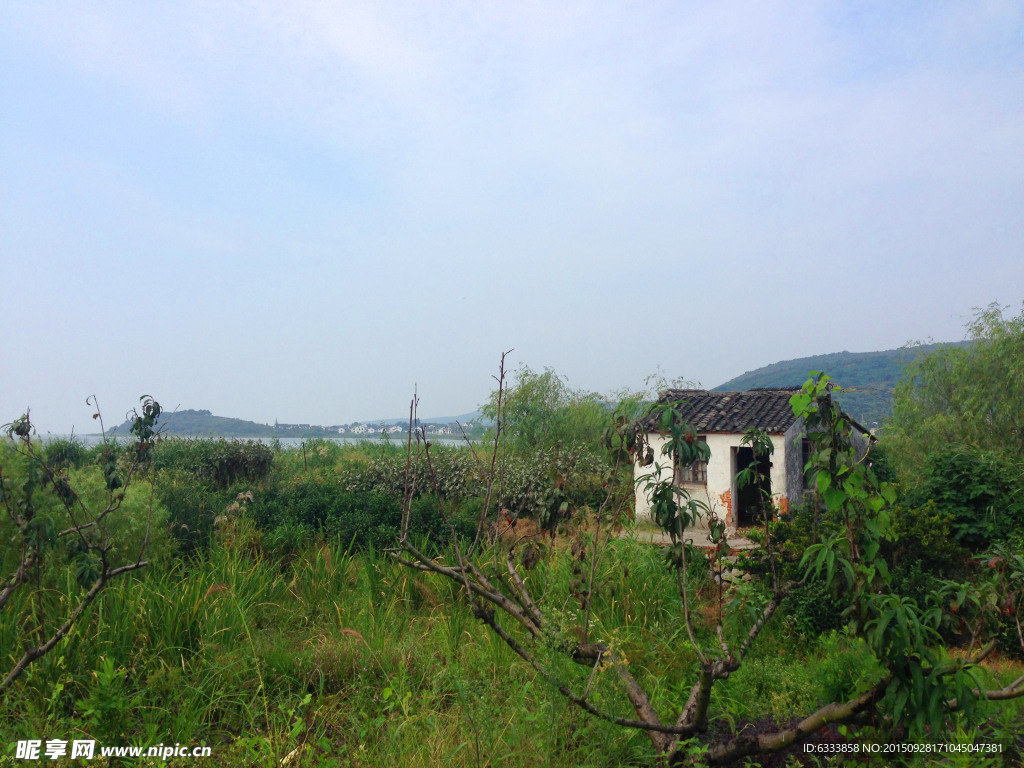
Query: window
[[697, 474], [806, 452]]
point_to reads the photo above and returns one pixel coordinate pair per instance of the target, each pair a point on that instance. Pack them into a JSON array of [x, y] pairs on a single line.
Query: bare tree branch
[[742, 745], [41, 650]]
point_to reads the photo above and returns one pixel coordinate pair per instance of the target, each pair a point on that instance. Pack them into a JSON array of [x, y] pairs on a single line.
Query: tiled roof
[[707, 411]]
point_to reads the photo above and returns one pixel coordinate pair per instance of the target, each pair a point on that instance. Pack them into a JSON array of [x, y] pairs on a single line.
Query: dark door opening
[[752, 499]]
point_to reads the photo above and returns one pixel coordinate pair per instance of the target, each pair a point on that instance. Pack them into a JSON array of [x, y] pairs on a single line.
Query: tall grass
[[379, 664], [343, 658]]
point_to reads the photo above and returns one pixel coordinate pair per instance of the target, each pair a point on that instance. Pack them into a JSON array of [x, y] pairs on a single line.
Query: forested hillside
[[873, 376], [201, 423]]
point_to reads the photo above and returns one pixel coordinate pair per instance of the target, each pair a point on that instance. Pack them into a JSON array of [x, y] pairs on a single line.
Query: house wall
[[796, 484], [794, 462], [721, 484]]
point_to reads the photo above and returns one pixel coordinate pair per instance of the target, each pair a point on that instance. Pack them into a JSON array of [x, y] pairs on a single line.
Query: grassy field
[[273, 627], [338, 659]]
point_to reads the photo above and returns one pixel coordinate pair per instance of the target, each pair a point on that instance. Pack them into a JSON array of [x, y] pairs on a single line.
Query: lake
[[287, 443]]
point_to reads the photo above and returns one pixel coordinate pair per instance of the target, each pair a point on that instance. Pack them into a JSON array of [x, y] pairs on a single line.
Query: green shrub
[[322, 505], [364, 519], [124, 529], [455, 470], [843, 664], [62, 453], [216, 462], [926, 535], [426, 520], [1008, 634], [532, 484], [1008, 637], [923, 552], [811, 610], [130, 525], [980, 489], [192, 507], [794, 533]]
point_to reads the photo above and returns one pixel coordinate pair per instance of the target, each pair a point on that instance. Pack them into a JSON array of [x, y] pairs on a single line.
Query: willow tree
[[972, 396]]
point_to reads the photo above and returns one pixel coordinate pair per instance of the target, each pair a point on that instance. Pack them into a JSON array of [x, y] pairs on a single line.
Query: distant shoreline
[[289, 441]]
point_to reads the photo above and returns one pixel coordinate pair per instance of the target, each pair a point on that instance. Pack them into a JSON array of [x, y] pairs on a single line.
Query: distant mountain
[[872, 374], [204, 423], [464, 419]]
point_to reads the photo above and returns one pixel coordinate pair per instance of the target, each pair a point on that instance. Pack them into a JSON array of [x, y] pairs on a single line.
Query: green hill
[[193, 423], [204, 423], [872, 376]]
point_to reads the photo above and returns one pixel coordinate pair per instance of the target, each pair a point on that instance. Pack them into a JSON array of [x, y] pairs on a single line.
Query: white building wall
[[660, 469], [778, 473], [721, 481]]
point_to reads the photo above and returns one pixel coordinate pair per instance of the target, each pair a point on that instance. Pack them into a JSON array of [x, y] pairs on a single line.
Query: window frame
[[696, 474]]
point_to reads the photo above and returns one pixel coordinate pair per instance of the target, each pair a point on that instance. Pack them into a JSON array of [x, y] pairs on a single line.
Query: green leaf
[[848, 569], [883, 569], [870, 550], [799, 403], [834, 498], [881, 627], [918, 678], [900, 702], [888, 493]]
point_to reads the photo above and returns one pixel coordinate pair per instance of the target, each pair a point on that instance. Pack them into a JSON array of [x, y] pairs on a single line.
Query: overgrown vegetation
[[86, 526], [916, 686], [273, 622], [539, 411], [964, 396]]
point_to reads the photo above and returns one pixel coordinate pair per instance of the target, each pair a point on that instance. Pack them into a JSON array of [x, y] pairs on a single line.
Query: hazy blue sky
[[296, 210]]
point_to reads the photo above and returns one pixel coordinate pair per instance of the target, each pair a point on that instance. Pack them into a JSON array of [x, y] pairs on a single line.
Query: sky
[[302, 211]]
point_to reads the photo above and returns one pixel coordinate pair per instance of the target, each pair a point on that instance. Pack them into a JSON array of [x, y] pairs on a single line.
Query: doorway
[[751, 499]]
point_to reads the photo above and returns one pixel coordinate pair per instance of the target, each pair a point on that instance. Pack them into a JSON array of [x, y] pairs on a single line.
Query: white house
[[720, 419]]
